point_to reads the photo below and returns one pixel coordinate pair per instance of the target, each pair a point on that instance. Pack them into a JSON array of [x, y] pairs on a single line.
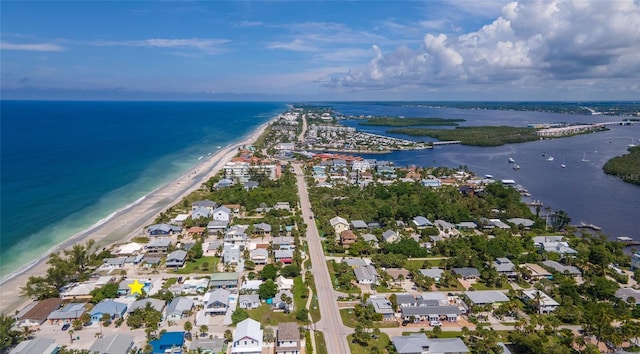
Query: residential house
[[216, 302], [466, 225], [390, 236], [288, 338], [421, 222], [37, 345], [467, 273], [217, 226], [222, 213], [113, 263], [250, 185], [180, 219], [486, 297], [191, 286], [431, 182], [382, 306], [163, 229], [158, 246], [505, 267], [112, 344], [366, 274], [545, 305], [249, 301], [419, 343], [176, 259], [433, 273], [339, 224], [169, 343], [562, 269], [237, 235], [107, 306], [283, 256], [247, 338], [260, 256], [347, 238], [520, 222], [231, 254], [278, 302], [201, 213], [282, 206], [359, 225], [224, 280], [430, 313], [251, 286], [179, 308], [283, 242], [555, 244], [635, 261], [356, 262], [262, 229], [37, 312], [406, 300], [371, 239], [360, 165], [208, 204], [223, 183], [156, 304], [284, 283], [535, 271]]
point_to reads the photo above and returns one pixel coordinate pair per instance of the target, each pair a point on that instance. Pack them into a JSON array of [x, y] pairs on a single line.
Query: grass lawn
[[480, 286], [442, 334], [298, 289], [169, 282], [190, 267], [140, 239], [349, 320], [321, 345], [380, 343], [314, 311], [382, 289], [265, 315], [332, 273], [420, 264]]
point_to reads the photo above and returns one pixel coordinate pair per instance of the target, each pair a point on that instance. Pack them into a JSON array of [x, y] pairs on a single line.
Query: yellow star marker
[[136, 287]]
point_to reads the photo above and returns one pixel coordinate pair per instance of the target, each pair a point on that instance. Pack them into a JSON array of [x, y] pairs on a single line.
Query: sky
[[321, 50]]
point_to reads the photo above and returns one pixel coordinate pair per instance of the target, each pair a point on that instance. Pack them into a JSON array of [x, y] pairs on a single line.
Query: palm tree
[[26, 333], [203, 330], [188, 327], [537, 298], [71, 332]]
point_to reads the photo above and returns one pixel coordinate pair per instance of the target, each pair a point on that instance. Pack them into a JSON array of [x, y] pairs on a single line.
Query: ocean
[[69, 165]]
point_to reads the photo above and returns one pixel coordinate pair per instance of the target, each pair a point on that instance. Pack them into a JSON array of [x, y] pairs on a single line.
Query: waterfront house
[[107, 306], [112, 344], [249, 301], [545, 305], [179, 308], [176, 259], [223, 183], [347, 238], [247, 338], [288, 338], [222, 213], [37, 312], [216, 302], [419, 343], [208, 204], [339, 224], [520, 222], [163, 229], [201, 213], [224, 280], [113, 263], [36, 346], [158, 246], [555, 244]]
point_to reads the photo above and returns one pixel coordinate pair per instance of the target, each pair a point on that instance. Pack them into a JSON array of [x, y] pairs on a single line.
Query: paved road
[[335, 333]]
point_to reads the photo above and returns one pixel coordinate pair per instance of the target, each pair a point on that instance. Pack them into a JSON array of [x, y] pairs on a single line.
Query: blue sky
[[312, 50]]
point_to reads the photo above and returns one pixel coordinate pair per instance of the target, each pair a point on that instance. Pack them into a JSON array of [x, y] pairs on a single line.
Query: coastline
[[128, 221]]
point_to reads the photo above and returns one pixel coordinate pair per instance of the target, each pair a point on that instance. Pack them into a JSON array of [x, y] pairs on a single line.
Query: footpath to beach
[[127, 222]]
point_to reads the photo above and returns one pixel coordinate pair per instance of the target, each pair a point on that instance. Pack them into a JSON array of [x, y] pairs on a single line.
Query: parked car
[[435, 323], [66, 326]]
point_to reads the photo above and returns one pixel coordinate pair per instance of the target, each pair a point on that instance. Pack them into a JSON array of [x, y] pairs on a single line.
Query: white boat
[[219, 146], [488, 176], [584, 157], [200, 158], [632, 144], [511, 160], [550, 158], [516, 167], [563, 165]]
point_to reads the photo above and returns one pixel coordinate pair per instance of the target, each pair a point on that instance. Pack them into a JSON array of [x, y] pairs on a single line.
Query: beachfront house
[[163, 230], [37, 312], [247, 338], [109, 307], [216, 302], [201, 213], [207, 204]]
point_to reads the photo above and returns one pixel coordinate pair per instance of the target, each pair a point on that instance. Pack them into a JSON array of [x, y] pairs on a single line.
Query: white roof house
[[484, 297], [130, 248], [421, 222], [339, 224], [390, 236], [112, 344], [247, 338], [420, 343], [554, 244], [547, 304], [366, 274], [36, 346]]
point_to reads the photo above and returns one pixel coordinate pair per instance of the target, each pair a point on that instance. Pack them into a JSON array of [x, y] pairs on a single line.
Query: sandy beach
[[127, 222]]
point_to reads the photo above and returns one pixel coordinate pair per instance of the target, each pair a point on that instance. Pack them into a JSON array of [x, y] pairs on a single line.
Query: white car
[[435, 323]]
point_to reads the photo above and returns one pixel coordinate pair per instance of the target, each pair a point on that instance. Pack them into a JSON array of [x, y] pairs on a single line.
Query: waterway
[[581, 189]]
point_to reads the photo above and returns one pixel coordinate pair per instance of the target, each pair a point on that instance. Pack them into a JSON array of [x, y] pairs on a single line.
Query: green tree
[[188, 326], [267, 289], [269, 272], [203, 330]]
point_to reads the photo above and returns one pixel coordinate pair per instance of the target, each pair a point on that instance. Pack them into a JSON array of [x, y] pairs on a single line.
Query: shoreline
[[129, 220]]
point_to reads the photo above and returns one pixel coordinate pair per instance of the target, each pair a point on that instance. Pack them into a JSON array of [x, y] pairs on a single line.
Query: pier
[[583, 225], [628, 241], [450, 142]]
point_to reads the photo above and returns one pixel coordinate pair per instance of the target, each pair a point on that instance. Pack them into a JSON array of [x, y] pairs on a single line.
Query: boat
[[584, 157], [562, 164], [511, 160], [219, 146], [550, 158], [488, 176], [632, 144], [516, 167], [200, 158]]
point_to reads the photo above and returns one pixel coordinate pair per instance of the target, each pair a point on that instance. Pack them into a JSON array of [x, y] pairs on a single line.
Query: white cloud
[[211, 46], [297, 45], [32, 47], [531, 44]]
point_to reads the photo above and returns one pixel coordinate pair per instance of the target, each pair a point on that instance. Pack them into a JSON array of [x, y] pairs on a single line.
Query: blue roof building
[[108, 306], [170, 341]]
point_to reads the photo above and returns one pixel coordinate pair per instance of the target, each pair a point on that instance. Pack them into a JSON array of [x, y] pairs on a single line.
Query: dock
[[449, 142], [628, 241], [584, 225]]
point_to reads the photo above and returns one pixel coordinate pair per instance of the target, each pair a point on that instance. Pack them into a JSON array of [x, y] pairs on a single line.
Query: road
[[335, 333]]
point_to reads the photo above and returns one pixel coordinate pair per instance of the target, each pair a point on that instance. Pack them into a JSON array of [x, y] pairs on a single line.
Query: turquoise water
[[67, 165]]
